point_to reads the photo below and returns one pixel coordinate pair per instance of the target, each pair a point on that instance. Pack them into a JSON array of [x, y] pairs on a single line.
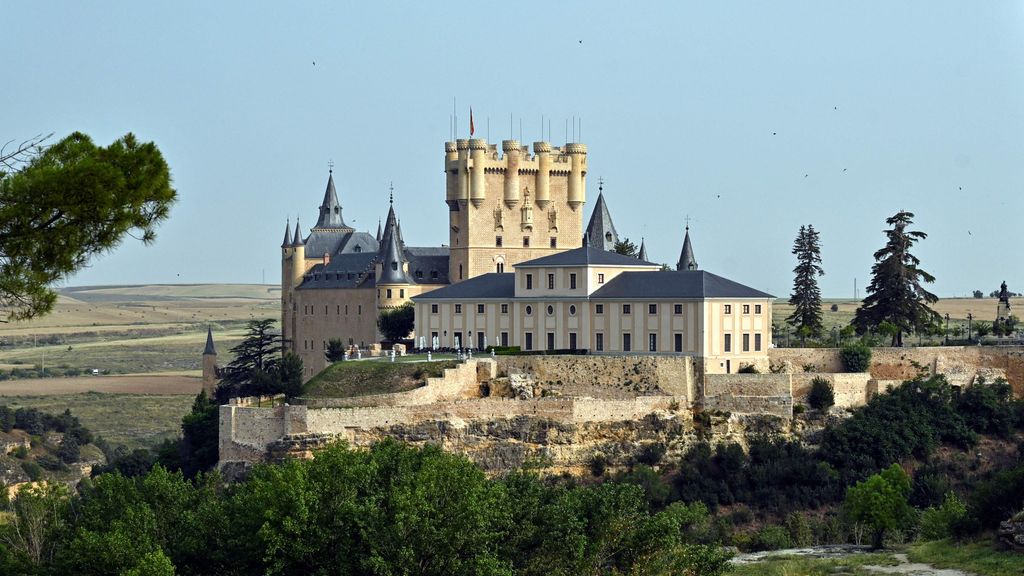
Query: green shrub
[[799, 529], [937, 522], [34, 471], [748, 369], [598, 465], [799, 409], [51, 463], [856, 357], [821, 396], [771, 538], [21, 452], [69, 451], [651, 454]]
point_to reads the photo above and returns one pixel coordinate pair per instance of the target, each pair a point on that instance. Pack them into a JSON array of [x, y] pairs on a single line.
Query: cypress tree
[[806, 297], [895, 294]]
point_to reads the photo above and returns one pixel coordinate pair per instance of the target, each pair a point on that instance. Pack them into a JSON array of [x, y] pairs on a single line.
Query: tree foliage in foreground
[[896, 294], [880, 503], [806, 296], [625, 247], [63, 205], [393, 509], [397, 323]]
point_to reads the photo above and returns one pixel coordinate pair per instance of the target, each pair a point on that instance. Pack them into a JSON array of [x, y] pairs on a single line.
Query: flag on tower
[[470, 120]]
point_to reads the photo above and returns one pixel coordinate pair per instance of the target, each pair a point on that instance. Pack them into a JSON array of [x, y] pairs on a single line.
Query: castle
[[511, 211]]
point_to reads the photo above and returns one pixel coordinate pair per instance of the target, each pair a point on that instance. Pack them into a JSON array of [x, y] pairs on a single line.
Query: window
[[746, 308], [572, 281], [679, 342], [598, 308], [627, 309], [551, 281], [401, 292], [627, 344], [554, 242], [551, 341], [757, 342], [526, 241], [677, 309], [346, 309], [728, 342], [479, 308], [757, 308], [528, 340], [460, 271], [458, 308], [599, 342], [325, 310], [652, 308], [394, 265], [529, 310], [529, 281], [433, 274], [572, 310], [746, 342], [728, 308], [551, 310], [497, 241], [360, 310], [652, 342], [389, 292], [500, 267], [572, 340], [504, 308], [419, 273], [433, 308], [600, 278], [337, 311], [504, 338]]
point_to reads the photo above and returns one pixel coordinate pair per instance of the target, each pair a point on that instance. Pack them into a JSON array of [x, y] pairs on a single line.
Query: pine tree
[[806, 297], [895, 294], [625, 247], [254, 369]]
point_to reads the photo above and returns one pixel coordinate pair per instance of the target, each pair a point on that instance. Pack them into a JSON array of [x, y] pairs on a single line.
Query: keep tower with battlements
[[511, 207]]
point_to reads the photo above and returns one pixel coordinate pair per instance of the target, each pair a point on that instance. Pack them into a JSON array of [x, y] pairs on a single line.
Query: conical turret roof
[[378, 231], [686, 259], [392, 253], [210, 350], [601, 231], [298, 235], [330, 208], [287, 234], [642, 254]]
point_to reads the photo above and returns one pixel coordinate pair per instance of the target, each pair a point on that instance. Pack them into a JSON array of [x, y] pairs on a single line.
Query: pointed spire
[[392, 256], [298, 235], [287, 234], [642, 254], [210, 350], [686, 259], [330, 208], [378, 231], [601, 231]]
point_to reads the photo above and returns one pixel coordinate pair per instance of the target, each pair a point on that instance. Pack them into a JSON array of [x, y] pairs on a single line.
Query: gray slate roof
[[684, 284], [491, 285], [642, 254], [334, 242], [344, 270], [586, 255], [330, 208], [600, 231], [686, 259]]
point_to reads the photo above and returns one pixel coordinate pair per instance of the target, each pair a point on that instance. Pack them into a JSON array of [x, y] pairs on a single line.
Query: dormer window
[[394, 265], [358, 249], [433, 274], [419, 273], [608, 236]]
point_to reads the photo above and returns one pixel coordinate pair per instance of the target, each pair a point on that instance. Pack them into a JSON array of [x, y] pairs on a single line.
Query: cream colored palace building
[[518, 210], [606, 303]]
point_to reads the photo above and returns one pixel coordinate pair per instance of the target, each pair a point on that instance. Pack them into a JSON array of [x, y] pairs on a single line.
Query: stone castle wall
[[609, 376]]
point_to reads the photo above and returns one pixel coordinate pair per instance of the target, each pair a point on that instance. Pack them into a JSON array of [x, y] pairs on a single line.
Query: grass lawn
[[362, 377], [132, 420], [978, 557], [795, 565]]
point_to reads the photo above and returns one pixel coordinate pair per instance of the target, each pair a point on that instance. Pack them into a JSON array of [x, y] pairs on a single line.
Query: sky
[[751, 118]]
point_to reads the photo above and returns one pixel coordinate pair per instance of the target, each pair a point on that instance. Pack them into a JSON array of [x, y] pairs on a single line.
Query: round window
[[551, 310], [572, 310], [529, 310]]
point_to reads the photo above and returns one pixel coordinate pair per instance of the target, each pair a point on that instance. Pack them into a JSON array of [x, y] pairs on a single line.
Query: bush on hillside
[[989, 408], [821, 396], [33, 470], [747, 369], [856, 357], [937, 522]]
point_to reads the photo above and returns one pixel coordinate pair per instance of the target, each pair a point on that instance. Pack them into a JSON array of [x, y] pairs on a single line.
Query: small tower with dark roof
[[642, 254], [392, 253], [378, 231], [601, 231], [686, 259], [330, 209], [209, 365]]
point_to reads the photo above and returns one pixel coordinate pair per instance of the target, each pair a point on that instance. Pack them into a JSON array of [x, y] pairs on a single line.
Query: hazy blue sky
[[752, 118]]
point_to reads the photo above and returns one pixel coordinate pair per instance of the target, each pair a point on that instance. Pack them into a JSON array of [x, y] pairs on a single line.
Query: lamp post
[[970, 335], [946, 339]]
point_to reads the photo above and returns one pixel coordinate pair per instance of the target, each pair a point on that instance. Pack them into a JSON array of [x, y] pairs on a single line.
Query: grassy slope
[[792, 565], [976, 557], [359, 378], [128, 419]]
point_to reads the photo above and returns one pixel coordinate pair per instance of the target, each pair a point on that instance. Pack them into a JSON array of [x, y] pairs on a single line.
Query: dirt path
[[127, 384], [907, 567]]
